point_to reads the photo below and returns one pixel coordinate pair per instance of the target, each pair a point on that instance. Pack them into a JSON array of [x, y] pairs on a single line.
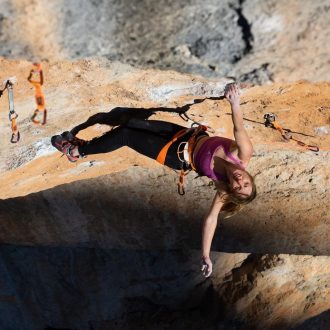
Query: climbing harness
[[15, 136], [188, 149], [186, 154], [39, 96], [270, 121]]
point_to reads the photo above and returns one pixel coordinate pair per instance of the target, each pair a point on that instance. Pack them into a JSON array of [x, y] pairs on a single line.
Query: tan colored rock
[[279, 291], [274, 267]]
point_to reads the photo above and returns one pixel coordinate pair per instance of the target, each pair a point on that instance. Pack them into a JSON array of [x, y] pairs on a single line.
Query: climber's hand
[[232, 94], [206, 266]]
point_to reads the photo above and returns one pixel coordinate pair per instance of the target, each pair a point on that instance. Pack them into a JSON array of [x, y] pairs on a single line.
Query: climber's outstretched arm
[[244, 145], [209, 226]]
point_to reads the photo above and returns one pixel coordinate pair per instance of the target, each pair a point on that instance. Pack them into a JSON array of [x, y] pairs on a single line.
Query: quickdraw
[[191, 145], [15, 136], [39, 96], [270, 121], [184, 116]]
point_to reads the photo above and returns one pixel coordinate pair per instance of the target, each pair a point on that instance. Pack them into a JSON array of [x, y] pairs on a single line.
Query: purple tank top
[[205, 154]]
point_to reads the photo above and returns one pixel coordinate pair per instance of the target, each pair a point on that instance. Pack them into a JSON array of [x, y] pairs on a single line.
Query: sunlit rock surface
[[256, 40], [107, 242]]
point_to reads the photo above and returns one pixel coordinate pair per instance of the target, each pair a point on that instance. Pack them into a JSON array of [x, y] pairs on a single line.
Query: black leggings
[[147, 137]]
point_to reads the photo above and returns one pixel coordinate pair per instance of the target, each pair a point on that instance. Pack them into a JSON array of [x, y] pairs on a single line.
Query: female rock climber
[[221, 159]]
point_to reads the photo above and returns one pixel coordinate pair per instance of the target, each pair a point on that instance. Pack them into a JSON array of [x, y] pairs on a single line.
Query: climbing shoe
[[73, 139], [64, 146]]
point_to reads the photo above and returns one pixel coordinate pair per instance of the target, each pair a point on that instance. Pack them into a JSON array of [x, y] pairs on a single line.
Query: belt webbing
[[191, 145]]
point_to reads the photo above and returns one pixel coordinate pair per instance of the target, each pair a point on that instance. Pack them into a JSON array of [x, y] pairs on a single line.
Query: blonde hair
[[232, 203]]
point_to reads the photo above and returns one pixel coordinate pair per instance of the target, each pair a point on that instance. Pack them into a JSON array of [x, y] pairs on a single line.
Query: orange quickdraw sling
[[39, 96], [270, 122], [191, 145]]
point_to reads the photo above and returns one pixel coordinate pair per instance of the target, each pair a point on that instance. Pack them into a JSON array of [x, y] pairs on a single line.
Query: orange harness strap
[[162, 154], [191, 146]]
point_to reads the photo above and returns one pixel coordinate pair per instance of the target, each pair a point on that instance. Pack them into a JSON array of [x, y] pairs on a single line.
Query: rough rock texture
[[82, 288], [279, 290], [321, 321], [107, 242], [256, 40]]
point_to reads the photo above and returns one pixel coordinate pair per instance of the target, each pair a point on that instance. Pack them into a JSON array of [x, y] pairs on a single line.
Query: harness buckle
[[183, 153]]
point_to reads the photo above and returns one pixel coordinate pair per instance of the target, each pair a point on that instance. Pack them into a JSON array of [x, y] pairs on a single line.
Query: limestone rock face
[[256, 40], [279, 290], [107, 242]]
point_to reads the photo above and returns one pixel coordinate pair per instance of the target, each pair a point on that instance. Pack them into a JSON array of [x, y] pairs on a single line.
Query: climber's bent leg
[[144, 142]]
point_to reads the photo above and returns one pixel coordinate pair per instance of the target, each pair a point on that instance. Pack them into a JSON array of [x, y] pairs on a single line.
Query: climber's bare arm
[[209, 226], [244, 145]]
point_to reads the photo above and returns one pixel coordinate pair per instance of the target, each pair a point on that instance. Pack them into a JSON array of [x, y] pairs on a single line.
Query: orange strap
[[15, 136], [181, 190], [191, 145], [35, 114], [286, 135], [307, 146], [162, 154], [39, 96]]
